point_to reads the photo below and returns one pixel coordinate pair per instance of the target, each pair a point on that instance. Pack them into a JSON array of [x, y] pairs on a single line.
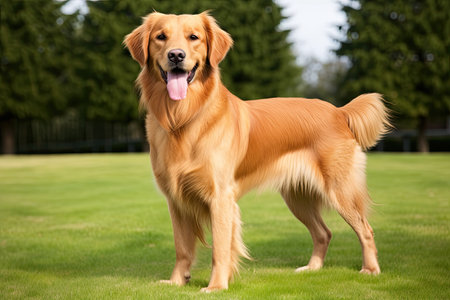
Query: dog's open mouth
[[177, 81]]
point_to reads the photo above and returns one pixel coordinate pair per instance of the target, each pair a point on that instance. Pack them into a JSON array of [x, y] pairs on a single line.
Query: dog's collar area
[[177, 70]]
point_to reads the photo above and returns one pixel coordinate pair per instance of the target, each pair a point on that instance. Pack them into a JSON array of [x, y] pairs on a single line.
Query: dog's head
[[178, 47]]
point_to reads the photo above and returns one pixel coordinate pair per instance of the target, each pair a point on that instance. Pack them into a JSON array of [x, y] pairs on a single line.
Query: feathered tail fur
[[368, 118]]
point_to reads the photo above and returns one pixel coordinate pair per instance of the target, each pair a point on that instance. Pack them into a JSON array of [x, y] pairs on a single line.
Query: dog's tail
[[368, 118]]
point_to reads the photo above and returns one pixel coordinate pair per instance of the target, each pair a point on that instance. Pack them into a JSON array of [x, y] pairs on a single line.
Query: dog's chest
[[183, 176]]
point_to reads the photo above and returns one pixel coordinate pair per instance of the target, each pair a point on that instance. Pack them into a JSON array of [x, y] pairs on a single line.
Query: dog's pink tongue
[[177, 85]]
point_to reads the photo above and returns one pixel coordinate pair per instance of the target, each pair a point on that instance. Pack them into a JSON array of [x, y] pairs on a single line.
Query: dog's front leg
[[221, 211], [184, 237]]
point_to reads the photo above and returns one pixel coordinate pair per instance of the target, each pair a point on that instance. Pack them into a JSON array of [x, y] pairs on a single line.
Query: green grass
[[95, 227]]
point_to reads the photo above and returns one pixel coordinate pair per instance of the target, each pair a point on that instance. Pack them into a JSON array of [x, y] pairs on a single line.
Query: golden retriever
[[208, 147]]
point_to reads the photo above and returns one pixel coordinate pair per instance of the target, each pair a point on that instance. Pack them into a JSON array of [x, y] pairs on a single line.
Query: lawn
[[95, 227]]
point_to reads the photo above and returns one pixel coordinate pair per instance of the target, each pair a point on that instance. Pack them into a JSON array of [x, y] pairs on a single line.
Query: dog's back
[[315, 128]]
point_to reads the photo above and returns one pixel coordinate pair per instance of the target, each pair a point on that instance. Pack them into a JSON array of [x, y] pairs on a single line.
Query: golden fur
[[210, 148]]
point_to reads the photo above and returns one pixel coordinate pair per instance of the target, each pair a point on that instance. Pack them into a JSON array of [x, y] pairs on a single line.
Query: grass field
[[95, 227]]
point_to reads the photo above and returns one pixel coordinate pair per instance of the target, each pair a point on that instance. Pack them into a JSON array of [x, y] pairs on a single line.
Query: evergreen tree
[[323, 79], [401, 49], [261, 63], [35, 63], [106, 90]]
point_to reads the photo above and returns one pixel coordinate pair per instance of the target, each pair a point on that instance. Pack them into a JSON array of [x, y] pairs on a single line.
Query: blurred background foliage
[[402, 49], [59, 71]]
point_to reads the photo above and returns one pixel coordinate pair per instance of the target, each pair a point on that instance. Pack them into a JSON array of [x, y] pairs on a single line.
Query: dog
[[208, 147]]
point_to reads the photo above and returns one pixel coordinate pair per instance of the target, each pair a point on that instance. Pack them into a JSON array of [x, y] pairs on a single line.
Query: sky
[[313, 25]]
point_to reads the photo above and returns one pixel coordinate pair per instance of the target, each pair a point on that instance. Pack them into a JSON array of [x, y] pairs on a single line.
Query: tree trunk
[[422, 142], [7, 136]]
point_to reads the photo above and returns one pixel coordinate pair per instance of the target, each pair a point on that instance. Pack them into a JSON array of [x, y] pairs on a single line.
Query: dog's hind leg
[[349, 195], [307, 210], [354, 214]]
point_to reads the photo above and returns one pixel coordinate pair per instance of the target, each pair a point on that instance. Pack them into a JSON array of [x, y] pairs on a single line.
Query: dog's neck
[[174, 116]]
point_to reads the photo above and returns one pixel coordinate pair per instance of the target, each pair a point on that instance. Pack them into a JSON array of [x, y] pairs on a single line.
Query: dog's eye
[[193, 37], [161, 37]]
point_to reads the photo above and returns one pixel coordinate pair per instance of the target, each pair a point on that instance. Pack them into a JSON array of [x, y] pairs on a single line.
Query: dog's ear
[[137, 41], [219, 41]]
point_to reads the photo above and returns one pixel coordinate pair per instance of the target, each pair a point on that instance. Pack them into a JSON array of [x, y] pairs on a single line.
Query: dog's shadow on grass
[[294, 250], [151, 255]]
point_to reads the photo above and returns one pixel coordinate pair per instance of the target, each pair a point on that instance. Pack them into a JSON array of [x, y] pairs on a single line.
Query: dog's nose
[[176, 55]]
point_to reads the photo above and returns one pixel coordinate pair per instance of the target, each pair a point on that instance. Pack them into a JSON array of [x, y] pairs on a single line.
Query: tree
[[35, 63], [106, 90], [261, 63], [401, 49], [323, 79]]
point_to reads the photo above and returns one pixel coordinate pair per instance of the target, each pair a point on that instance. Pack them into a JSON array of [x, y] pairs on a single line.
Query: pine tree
[[401, 49], [35, 63], [261, 63], [106, 91]]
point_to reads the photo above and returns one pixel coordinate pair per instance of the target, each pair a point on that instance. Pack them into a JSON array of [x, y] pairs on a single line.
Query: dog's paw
[[167, 282], [302, 269], [370, 271], [178, 280], [212, 289], [172, 282], [307, 268]]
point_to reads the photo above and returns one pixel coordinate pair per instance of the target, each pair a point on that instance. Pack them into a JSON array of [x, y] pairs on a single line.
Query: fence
[[71, 135], [78, 136], [406, 141]]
